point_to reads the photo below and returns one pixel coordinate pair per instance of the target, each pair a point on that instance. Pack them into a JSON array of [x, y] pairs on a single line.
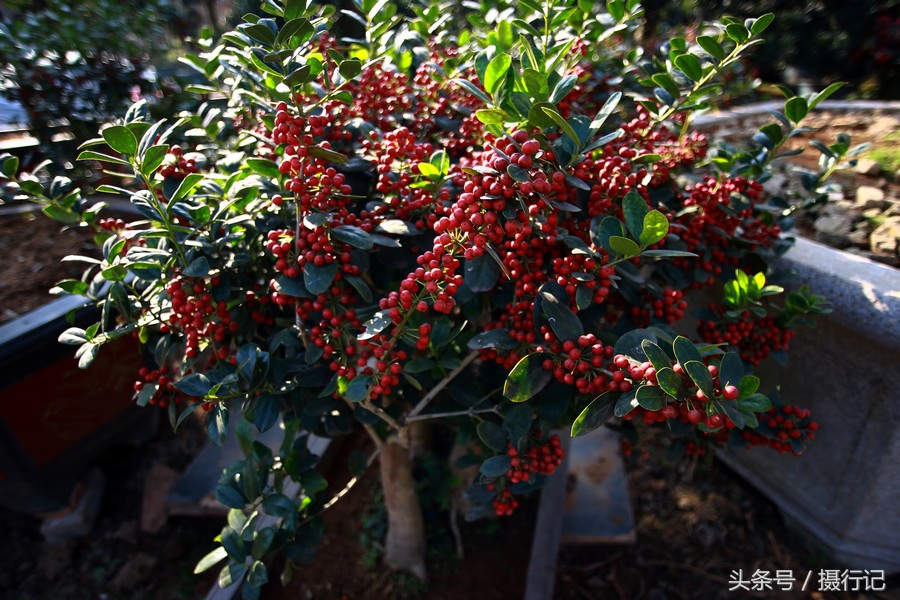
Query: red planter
[[55, 419]]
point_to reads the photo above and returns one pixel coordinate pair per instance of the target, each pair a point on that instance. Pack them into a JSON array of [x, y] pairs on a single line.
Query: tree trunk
[[420, 434], [405, 544]]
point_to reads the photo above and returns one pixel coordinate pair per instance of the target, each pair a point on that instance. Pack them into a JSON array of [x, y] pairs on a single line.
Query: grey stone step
[[597, 508]]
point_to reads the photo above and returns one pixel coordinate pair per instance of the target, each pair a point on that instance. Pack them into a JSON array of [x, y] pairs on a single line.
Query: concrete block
[[598, 509], [78, 519], [843, 492]]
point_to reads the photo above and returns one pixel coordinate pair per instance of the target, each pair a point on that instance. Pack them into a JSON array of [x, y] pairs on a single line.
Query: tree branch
[[423, 403]]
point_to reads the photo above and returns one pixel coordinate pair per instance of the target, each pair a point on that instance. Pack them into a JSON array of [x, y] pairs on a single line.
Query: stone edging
[[762, 108]]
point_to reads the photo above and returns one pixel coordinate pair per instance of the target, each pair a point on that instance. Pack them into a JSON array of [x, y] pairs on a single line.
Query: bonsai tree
[[496, 229]]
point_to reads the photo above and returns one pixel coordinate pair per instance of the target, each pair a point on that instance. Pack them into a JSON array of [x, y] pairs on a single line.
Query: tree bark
[[405, 544]]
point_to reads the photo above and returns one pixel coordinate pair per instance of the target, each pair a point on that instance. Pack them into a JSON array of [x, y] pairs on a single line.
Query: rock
[[867, 166], [775, 185], [859, 237], [77, 520], [868, 196], [886, 236], [136, 570], [159, 481], [56, 558], [833, 230]]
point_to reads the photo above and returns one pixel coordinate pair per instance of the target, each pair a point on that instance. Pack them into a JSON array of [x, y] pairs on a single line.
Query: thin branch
[[381, 414], [457, 413], [441, 385], [353, 481]]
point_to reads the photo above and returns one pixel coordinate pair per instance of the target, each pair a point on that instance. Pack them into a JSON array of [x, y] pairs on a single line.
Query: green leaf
[[91, 155], [120, 139], [210, 560], [527, 378], [496, 466], [626, 403], [491, 116], [602, 228], [685, 350], [358, 389], [496, 72], [731, 369], [655, 355], [378, 323], [562, 123], [233, 544], [152, 159], [494, 338], [824, 94], [759, 25], [265, 412], [624, 246], [635, 209], [73, 336], [10, 166], [737, 32], [318, 279], [690, 66], [699, 373], [353, 235], [563, 321], [756, 403], [670, 382], [605, 111], [258, 575], [656, 226], [748, 386], [493, 436], [712, 46], [650, 397], [350, 68], [195, 384], [279, 505], [630, 344], [472, 89], [199, 267], [796, 109], [734, 413], [563, 87], [599, 411], [291, 287], [186, 187], [328, 155], [264, 167]]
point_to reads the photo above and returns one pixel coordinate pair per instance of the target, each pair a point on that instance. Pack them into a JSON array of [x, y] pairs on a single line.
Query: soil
[[348, 568], [117, 560], [32, 247], [696, 522], [880, 130]]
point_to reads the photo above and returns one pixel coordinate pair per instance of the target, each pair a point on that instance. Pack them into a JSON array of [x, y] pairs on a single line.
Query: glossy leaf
[[527, 378], [599, 411]]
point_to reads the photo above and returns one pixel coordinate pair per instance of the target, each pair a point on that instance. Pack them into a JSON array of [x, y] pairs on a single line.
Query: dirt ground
[[696, 522], [32, 247], [117, 560]]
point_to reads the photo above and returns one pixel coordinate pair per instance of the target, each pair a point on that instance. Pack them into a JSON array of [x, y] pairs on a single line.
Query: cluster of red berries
[[755, 337], [781, 426], [198, 316], [176, 165], [540, 458]]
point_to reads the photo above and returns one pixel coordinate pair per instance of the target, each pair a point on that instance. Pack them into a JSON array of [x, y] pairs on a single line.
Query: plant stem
[[457, 413], [423, 403]]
